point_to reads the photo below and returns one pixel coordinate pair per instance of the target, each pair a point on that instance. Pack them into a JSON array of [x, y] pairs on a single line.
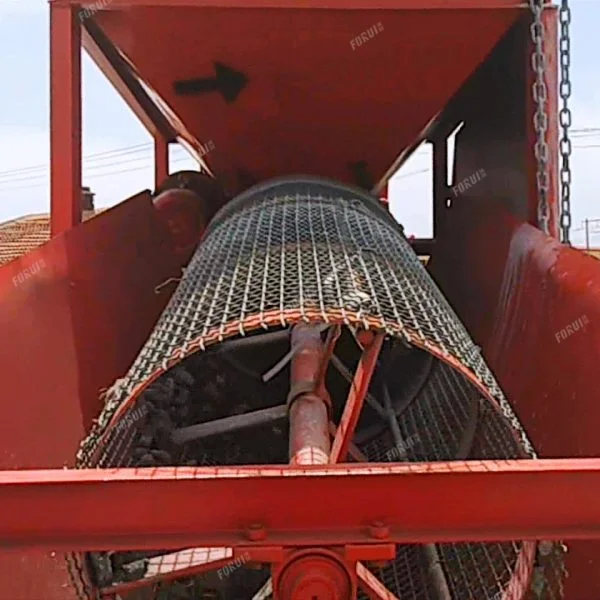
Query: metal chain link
[[540, 119], [565, 118], [540, 122]]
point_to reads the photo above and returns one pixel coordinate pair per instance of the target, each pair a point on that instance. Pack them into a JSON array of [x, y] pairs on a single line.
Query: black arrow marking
[[227, 81]]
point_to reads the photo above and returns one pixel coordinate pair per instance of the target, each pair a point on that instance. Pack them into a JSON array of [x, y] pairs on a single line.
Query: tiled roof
[[22, 235], [595, 252]]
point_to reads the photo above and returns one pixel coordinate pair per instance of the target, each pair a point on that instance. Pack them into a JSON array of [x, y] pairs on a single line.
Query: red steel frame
[[65, 118], [521, 499], [484, 500], [65, 97]]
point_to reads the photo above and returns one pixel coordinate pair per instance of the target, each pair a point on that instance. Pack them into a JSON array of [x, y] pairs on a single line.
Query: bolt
[[256, 533], [379, 530]]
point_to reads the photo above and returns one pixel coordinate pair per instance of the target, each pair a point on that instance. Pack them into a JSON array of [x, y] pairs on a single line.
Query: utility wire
[[413, 173], [90, 158], [41, 172], [148, 145], [94, 176], [44, 176]]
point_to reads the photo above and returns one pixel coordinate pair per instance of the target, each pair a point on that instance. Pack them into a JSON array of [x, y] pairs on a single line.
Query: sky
[[24, 129]]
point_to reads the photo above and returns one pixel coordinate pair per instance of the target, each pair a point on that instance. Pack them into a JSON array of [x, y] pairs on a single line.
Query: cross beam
[[170, 508]]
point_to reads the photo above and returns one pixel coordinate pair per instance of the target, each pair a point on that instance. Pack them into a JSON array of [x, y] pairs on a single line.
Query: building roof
[[22, 235], [595, 252]]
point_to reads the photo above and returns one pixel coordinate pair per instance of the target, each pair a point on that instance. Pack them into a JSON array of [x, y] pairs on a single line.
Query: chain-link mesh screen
[[312, 250]]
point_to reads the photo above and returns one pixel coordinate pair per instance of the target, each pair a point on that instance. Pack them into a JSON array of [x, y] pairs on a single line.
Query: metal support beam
[[65, 118], [314, 4], [179, 565], [358, 391], [371, 586], [161, 160], [158, 508], [119, 72], [440, 185]]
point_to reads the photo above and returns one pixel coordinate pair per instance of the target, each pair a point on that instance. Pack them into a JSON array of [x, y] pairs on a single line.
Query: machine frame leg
[[65, 117]]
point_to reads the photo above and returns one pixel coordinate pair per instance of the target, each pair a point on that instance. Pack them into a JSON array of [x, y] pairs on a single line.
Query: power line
[[413, 173], [585, 131], [102, 156], [90, 157], [45, 173], [44, 176], [38, 172], [95, 176]]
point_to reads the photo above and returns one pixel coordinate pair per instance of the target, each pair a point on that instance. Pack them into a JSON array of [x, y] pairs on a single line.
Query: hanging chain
[[540, 122], [565, 122], [540, 118]]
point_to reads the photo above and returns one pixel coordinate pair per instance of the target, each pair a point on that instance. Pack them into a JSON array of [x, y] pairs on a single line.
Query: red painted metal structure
[[435, 64], [528, 499]]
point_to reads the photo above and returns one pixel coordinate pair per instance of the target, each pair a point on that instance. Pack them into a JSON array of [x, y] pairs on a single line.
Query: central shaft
[[308, 409]]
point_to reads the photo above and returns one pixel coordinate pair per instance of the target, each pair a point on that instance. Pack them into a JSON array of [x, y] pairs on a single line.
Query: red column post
[[65, 117], [161, 160]]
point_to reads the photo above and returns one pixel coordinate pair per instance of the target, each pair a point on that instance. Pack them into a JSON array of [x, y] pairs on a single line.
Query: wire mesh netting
[[298, 250]]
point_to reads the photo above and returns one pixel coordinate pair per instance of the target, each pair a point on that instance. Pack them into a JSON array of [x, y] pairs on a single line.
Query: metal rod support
[[229, 424], [358, 391]]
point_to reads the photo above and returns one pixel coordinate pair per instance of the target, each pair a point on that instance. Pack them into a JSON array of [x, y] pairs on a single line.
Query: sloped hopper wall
[[314, 102], [305, 249]]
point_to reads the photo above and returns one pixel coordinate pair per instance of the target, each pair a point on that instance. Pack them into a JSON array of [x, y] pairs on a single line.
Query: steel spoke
[[358, 391]]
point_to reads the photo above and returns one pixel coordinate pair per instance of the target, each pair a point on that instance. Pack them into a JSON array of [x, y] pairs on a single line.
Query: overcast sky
[[24, 138]]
